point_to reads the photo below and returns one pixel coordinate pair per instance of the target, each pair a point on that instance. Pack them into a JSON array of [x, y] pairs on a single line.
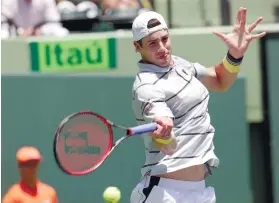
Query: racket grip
[[141, 129]]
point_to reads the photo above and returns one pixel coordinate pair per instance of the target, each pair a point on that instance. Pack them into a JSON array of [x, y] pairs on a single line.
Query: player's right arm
[[149, 105], [9, 196]]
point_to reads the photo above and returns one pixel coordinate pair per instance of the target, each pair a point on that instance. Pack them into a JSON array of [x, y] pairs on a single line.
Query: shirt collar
[[29, 190], [148, 67]]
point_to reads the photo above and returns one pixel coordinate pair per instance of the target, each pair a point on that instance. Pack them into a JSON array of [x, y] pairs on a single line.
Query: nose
[[162, 47]]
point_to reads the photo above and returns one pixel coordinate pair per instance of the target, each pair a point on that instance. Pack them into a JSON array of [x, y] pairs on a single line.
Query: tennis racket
[[84, 140]]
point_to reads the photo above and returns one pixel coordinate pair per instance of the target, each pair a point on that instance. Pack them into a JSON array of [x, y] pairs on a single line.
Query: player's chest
[[180, 86], [41, 198]]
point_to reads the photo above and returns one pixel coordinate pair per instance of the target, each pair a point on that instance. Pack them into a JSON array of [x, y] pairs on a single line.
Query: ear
[[137, 46]]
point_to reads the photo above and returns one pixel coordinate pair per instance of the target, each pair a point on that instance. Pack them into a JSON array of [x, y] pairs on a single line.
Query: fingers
[[257, 36], [254, 24], [238, 17], [164, 128], [243, 18], [220, 35]]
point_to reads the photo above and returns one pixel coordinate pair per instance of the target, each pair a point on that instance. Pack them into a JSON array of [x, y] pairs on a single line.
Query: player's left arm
[[217, 78], [55, 198], [52, 193], [221, 76]]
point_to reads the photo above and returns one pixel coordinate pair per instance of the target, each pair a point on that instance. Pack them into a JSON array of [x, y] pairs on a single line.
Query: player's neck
[[29, 187], [30, 182], [147, 62]]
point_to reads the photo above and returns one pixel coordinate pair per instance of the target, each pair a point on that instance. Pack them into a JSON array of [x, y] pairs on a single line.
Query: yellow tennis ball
[[112, 195], [164, 141], [160, 140]]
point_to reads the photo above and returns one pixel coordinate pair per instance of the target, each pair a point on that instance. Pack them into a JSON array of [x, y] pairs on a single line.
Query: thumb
[[220, 35], [158, 120]]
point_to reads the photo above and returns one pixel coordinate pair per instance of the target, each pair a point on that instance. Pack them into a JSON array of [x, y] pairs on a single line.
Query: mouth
[[164, 56]]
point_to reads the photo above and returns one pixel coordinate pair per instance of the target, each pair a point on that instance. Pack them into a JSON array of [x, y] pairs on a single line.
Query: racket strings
[[83, 143]]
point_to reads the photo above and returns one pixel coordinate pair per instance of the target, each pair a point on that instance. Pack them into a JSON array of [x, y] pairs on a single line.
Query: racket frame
[[57, 135], [109, 124]]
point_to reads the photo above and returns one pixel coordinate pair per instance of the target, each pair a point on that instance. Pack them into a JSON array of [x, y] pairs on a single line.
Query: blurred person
[[31, 18], [175, 93], [66, 7], [29, 189], [148, 4], [72, 7], [115, 4], [120, 4], [124, 7]]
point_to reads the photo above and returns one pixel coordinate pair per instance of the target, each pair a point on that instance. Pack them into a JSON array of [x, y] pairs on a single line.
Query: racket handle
[[141, 129]]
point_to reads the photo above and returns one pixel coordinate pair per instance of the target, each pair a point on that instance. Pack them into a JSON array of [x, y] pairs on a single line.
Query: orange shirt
[[20, 193]]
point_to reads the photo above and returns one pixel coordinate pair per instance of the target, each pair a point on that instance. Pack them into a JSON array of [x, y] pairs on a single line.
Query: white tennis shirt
[[175, 92]]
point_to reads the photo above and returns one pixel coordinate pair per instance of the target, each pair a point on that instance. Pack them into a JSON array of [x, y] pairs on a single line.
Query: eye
[[152, 44], [165, 39]]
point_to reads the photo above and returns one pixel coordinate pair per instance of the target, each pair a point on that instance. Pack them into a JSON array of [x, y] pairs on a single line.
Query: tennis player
[[174, 92], [29, 189]]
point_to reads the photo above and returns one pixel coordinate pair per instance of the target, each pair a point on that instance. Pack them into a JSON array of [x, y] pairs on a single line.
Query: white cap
[[139, 27]]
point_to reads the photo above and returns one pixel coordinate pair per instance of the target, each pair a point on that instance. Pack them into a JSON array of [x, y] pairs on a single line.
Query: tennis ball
[[160, 140], [166, 141], [112, 195]]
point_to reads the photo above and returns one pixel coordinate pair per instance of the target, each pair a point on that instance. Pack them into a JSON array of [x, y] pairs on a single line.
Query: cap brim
[[29, 159]]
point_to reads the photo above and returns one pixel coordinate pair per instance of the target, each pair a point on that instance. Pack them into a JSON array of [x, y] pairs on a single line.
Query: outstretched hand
[[239, 39]]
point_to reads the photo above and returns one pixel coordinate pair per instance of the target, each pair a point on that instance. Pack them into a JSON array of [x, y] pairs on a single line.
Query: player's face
[[156, 48], [29, 169]]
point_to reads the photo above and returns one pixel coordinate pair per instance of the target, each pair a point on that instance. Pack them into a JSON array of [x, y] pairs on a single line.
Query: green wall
[[34, 104]]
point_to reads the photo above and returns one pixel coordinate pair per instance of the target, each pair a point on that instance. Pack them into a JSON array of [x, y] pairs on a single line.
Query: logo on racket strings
[[77, 143]]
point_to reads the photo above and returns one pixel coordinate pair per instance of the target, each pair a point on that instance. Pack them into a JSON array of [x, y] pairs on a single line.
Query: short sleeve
[[51, 11], [196, 69], [7, 12], [149, 101], [9, 197], [200, 70]]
